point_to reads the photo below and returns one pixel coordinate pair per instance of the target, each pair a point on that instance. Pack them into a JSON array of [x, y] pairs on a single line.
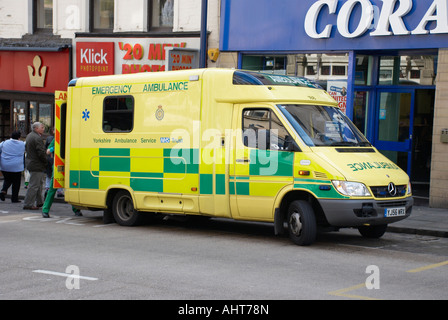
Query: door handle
[[244, 160]]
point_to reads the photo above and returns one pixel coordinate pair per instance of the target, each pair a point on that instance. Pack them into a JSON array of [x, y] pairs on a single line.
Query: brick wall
[[439, 163]]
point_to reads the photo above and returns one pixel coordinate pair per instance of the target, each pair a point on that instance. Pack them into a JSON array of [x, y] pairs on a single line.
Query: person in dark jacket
[[36, 162]]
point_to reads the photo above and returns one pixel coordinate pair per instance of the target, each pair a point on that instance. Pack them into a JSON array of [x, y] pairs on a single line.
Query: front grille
[[381, 191], [353, 150], [391, 204]]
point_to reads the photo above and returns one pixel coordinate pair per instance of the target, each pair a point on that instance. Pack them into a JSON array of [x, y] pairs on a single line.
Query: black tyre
[[373, 231], [301, 223], [123, 210]]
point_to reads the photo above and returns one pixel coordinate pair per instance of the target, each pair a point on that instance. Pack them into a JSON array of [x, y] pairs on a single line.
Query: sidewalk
[[423, 220]]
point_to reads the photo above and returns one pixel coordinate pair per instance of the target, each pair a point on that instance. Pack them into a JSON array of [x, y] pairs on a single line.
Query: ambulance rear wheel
[[301, 223], [123, 210]]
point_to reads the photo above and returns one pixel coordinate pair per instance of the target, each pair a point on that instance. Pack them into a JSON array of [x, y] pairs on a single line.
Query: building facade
[[385, 62]]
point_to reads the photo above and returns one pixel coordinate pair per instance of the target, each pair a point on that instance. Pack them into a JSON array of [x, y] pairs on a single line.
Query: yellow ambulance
[[222, 143]]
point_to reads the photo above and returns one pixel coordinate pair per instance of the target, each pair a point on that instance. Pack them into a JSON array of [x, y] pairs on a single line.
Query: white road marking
[[61, 274], [104, 225], [9, 221]]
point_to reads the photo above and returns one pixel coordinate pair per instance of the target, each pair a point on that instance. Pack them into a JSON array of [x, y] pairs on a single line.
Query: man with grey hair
[[36, 161]]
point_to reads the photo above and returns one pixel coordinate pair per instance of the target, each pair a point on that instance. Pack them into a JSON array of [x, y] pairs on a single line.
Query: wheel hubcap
[[295, 223], [125, 208]]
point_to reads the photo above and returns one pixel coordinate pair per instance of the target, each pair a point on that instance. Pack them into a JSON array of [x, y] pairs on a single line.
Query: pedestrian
[[11, 158], [52, 191], [49, 169], [36, 162]]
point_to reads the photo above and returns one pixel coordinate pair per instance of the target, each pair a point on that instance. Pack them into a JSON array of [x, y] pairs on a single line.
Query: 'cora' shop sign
[[386, 20], [99, 56], [333, 25]]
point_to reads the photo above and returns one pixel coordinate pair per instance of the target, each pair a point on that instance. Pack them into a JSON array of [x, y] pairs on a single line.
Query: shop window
[[40, 112], [118, 114], [338, 71], [388, 73], [360, 110], [415, 74], [33, 112], [363, 73], [325, 70], [19, 117], [102, 15], [25, 113], [43, 13], [252, 63], [322, 68], [397, 70], [161, 13], [405, 70], [45, 115], [310, 71], [268, 64]]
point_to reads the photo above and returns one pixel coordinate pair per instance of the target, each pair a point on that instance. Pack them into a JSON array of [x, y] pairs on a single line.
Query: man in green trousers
[[52, 191]]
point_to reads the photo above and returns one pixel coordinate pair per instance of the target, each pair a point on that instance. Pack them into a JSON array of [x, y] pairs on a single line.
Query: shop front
[[379, 59], [29, 78]]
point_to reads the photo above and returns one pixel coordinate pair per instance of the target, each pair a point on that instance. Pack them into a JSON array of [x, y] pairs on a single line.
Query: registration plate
[[394, 212]]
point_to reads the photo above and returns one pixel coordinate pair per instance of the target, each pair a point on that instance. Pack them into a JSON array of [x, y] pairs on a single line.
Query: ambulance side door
[[261, 164]]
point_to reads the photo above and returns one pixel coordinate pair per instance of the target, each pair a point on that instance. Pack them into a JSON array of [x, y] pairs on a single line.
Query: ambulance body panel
[[223, 143]]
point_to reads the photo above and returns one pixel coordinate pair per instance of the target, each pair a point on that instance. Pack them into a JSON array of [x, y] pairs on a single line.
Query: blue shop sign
[[310, 25]]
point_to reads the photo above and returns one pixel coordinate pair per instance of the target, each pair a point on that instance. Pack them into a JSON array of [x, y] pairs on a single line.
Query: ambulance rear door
[[59, 139]]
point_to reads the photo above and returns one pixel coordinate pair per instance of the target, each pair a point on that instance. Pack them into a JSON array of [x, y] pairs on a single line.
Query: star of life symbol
[[85, 115]]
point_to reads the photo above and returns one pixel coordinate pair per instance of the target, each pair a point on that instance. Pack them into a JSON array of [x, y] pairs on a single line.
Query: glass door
[[5, 130], [394, 125], [19, 117]]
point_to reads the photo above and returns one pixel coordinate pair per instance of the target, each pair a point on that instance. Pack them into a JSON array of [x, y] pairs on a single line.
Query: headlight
[[352, 189], [409, 190]]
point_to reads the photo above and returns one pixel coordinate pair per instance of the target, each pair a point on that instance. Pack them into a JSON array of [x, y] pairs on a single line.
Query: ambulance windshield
[[323, 126]]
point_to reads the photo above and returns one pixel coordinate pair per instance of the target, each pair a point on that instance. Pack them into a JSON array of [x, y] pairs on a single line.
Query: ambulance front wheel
[[301, 223], [123, 210]]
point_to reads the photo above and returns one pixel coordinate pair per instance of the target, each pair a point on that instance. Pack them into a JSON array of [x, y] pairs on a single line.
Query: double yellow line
[[431, 266], [345, 292]]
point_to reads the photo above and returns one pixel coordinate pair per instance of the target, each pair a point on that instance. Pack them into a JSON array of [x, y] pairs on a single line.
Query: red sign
[[145, 59], [94, 59], [34, 71]]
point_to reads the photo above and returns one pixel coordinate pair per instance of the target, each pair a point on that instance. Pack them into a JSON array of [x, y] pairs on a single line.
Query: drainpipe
[[203, 50]]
